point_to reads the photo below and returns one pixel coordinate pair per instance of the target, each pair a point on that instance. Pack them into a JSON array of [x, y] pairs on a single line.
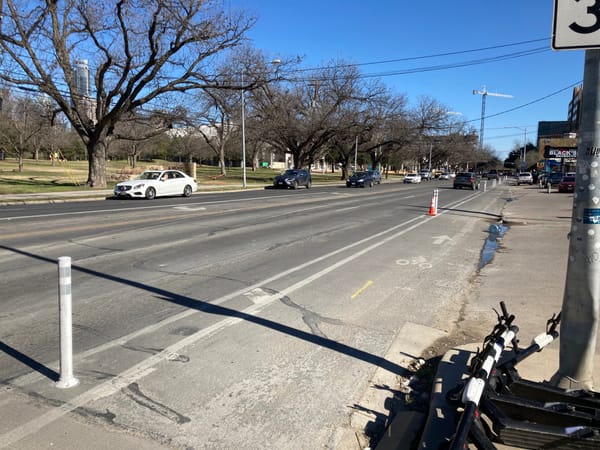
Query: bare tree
[[135, 129], [300, 115], [23, 123], [214, 121], [141, 53]]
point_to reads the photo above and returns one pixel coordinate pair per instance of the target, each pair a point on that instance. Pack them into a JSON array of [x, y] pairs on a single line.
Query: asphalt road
[[274, 308]]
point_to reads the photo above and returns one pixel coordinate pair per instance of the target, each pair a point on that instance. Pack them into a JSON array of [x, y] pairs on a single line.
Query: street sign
[[576, 24], [559, 152]]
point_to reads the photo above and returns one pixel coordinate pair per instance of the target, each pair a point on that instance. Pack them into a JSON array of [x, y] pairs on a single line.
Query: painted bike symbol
[[419, 261]]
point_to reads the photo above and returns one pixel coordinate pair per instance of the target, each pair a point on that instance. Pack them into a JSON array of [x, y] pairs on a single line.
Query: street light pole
[[355, 152], [273, 62], [243, 136], [524, 160], [430, 148]]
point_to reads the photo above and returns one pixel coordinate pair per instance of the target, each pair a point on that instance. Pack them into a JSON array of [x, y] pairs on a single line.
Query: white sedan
[[412, 178], [156, 183]]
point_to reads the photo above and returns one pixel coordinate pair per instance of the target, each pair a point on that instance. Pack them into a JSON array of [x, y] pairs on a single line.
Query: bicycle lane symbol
[[419, 261]]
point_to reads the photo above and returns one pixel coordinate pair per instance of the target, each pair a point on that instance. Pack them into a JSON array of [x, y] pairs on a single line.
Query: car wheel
[[371, 184], [308, 185], [295, 185], [187, 191], [150, 193]]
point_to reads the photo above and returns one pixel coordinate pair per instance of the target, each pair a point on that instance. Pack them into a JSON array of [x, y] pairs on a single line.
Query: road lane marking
[[147, 366], [362, 289], [34, 376]]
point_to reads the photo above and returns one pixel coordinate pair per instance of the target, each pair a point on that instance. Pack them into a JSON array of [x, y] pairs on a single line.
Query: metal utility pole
[[484, 93], [355, 152], [581, 301]]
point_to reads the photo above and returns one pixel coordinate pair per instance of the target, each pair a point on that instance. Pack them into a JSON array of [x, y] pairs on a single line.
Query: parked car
[[157, 183], [466, 179], [425, 175], [360, 179], [524, 178], [412, 178], [567, 184], [293, 178], [376, 175]]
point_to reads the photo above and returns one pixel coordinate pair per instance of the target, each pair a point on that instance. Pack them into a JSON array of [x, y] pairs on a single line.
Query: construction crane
[[484, 93]]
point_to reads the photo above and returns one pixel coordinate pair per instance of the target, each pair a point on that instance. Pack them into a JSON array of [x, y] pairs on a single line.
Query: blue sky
[[365, 32]]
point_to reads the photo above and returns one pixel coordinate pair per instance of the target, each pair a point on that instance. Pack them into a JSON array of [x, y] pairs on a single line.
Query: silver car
[[524, 178]]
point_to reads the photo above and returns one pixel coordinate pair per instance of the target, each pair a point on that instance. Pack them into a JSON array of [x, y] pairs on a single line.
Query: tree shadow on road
[[208, 308]]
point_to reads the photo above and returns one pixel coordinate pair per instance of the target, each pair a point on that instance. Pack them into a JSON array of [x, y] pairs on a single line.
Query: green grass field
[[41, 176]]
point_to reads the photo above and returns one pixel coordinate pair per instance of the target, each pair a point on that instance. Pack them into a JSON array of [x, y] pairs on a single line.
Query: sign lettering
[[594, 10], [576, 24], [559, 152]]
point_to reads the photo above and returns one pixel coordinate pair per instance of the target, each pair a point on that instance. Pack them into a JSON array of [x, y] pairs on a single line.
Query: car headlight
[[139, 186]]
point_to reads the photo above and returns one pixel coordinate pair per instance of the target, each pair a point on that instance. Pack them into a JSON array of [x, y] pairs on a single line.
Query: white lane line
[[147, 366], [35, 376]]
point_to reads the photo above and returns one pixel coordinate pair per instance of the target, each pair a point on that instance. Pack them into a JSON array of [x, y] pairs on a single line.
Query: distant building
[[81, 75], [574, 117], [557, 140], [83, 92]]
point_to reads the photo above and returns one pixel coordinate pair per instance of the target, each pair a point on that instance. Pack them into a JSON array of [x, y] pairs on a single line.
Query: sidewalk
[[528, 273]]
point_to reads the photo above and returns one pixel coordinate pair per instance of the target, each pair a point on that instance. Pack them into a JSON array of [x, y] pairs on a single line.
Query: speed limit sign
[[576, 24]]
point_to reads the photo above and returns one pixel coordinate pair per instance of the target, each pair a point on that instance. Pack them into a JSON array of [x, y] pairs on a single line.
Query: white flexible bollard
[[66, 379]]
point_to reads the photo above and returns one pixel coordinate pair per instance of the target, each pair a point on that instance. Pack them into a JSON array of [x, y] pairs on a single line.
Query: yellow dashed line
[[360, 291]]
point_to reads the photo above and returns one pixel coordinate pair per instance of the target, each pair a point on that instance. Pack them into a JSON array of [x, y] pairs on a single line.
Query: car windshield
[[149, 176], [411, 175], [360, 174], [290, 172], [569, 179]]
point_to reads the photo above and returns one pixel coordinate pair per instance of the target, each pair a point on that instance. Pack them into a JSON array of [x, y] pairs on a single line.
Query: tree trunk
[[97, 164], [222, 158]]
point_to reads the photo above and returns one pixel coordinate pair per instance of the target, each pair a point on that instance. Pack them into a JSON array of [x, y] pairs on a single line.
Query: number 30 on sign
[[576, 24]]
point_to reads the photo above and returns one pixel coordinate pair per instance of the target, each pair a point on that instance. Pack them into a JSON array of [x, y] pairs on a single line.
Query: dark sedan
[[466, 179], [293, 178], [360, 179]]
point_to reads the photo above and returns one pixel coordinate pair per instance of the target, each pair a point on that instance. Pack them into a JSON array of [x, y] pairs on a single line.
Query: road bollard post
[[66, 379]]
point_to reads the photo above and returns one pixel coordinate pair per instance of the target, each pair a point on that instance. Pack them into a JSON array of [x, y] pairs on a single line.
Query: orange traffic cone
[[432, 206]]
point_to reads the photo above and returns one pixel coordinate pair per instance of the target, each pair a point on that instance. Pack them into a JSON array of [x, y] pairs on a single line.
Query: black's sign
[[560, 152]]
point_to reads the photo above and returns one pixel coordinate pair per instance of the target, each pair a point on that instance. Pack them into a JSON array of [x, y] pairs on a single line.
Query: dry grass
[[42, 176]]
